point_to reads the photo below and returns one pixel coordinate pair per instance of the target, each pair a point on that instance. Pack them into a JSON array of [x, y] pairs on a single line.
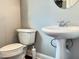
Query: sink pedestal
[[61, 49]]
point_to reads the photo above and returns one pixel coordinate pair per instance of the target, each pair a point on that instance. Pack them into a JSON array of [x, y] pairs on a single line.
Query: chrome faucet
[[63, 23]]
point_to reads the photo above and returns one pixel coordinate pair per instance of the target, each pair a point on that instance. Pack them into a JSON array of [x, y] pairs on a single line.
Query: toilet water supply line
[[34, 53], [69, 43]]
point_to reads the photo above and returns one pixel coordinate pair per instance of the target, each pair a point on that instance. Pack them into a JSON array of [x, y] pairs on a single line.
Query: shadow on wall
[[24, 16], [75, 49], [43, 44], [38, 42], [17, 38]]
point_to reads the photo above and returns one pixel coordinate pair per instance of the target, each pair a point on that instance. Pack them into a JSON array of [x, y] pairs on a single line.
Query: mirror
[[64, 4]]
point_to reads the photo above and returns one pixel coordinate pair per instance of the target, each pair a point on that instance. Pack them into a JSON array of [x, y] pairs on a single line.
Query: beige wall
[[9, 20]]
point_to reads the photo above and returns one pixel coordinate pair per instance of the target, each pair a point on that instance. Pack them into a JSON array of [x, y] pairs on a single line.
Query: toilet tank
[[26, 36]]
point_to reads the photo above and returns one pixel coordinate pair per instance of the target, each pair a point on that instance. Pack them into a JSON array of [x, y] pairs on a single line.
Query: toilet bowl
[[18, 50]]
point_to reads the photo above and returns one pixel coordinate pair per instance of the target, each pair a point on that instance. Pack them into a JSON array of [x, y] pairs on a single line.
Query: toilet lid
[[11, 47], [26, 30]]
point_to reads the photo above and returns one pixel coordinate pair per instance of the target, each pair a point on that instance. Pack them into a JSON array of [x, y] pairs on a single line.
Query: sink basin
[[67, 32], [61, 34]]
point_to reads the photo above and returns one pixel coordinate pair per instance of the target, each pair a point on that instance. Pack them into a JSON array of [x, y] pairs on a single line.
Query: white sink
[[68, 32], [61, 34]]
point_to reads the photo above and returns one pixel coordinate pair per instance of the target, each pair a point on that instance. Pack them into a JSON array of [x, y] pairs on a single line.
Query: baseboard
[[43, 56]]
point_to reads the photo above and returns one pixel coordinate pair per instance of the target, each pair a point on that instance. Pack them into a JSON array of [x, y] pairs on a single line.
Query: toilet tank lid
[[11, 47], [25, 30]]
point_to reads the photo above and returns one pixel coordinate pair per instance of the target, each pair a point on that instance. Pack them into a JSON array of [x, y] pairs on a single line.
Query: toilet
[[18, 50]]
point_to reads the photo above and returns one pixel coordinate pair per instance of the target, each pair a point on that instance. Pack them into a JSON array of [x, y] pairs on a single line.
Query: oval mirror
[[64, 4]]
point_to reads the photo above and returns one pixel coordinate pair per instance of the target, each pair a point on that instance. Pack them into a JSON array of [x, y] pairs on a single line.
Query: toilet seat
[[11, 50], [11, 47]]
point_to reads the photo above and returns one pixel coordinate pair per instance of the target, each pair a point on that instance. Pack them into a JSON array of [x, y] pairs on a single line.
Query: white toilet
[[18, 50]]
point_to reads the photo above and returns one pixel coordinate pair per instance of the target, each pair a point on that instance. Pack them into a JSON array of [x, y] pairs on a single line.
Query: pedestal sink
[[61, 34]]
